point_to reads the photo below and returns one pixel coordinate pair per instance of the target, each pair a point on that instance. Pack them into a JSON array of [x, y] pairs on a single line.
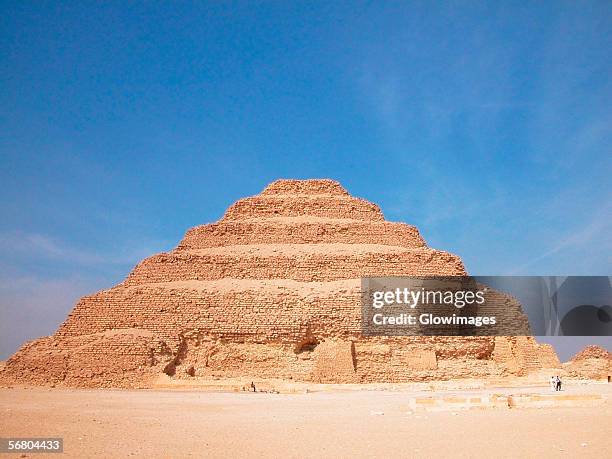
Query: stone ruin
[[593, 362], [272, 290]]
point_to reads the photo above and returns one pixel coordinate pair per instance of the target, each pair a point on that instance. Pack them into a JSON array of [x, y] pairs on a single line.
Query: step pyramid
[[272, 290]]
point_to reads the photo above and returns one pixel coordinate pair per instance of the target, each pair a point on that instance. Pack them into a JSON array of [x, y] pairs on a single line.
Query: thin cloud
[[600, 225], [42, 246]]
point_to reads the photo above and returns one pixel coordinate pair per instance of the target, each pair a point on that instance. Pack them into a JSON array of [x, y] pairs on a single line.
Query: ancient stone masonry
[[270, 290], [593, 362]]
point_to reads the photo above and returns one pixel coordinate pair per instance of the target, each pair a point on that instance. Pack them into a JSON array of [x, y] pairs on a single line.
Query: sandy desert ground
[[377, 423]]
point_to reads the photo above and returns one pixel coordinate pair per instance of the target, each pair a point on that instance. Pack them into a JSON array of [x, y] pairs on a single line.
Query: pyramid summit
[[272, 290]]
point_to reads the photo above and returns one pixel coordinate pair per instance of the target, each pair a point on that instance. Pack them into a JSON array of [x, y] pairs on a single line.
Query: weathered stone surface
[[271, 290], [592, 352], [593, 362], [114, 358]]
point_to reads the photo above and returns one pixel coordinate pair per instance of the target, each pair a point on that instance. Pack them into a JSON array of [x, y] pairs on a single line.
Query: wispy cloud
[[34, 245], [598, 230], [506, 143]]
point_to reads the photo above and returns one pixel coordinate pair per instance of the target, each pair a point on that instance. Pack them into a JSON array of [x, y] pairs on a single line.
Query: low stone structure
[[489, 401], [272, 290]]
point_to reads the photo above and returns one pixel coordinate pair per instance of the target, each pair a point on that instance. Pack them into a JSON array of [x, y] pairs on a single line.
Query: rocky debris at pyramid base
[[272, 290]]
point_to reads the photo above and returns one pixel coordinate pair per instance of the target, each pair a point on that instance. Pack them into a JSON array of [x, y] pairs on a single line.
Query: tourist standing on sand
[[557, 383], [553, 384]]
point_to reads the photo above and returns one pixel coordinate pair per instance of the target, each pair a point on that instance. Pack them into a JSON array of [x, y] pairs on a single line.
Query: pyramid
[[593, 362], [272, 290]]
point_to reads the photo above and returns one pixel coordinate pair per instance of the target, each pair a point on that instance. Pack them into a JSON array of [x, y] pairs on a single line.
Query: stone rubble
[[593, 362]]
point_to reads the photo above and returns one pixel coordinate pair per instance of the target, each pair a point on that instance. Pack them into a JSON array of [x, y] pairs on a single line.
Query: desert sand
[[355, 423]]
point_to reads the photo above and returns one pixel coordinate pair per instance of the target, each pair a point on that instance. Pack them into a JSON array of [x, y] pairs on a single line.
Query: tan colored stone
[[272, 290], [593, 362]]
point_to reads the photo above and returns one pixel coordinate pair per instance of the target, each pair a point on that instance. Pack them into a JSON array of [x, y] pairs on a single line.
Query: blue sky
[[122, 125]]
